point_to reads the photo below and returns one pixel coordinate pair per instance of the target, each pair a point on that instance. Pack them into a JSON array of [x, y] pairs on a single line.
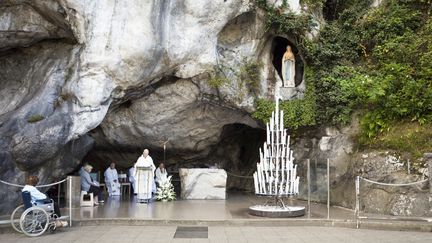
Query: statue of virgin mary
[[288, 68]]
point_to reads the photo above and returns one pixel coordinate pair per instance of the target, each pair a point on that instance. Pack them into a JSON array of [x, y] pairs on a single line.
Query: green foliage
[[248, 75], [217, 79], [313, 4], [377, 60], [297, 113], [374, 59], [404, 137], [285, 22], [35, 118]]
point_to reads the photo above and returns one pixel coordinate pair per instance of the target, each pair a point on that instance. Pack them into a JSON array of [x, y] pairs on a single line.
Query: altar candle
[[283, 138], [277, 117], [272, 122], [281, 120], [277, 134], [276, 169], [261, 178], [268, 132]]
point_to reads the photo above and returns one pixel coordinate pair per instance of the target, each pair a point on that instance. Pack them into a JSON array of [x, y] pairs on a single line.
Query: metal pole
[[308, 185], [70, 201], [328, 188], [408, 165], [58, 194], [357, 198]]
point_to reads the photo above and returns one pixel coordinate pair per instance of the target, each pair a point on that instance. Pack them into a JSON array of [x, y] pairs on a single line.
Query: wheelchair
[[34, 219]]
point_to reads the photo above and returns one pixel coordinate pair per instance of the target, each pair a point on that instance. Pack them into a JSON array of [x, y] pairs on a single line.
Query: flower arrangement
[[165, 191]]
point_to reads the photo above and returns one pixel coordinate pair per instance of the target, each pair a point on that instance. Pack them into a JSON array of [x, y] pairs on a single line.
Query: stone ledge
[[373, 224], [398, 225]]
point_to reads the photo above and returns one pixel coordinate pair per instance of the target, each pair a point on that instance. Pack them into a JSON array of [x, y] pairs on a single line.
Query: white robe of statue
[[288, 68], [132, 178], [112, 182], [144, 176]]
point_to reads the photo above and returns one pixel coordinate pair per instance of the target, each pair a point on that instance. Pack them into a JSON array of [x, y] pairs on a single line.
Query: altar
[[202, 183]]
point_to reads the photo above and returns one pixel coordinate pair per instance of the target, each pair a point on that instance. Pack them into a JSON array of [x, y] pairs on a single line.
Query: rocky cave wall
[[101, 80], [117, 76]]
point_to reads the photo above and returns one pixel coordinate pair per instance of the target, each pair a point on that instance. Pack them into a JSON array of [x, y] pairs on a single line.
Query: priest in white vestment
[[144, 177], [112, 181]]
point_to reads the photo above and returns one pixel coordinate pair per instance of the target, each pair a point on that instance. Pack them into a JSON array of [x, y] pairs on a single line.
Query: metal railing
[[50, 185], [357, 192]]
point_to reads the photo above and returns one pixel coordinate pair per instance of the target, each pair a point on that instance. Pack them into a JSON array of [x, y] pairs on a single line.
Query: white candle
[[272, 122], [281, 120], [268, 132], [255, 182]]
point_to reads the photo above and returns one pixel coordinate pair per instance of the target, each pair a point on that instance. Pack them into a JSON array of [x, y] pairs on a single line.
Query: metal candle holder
[[276, 174]]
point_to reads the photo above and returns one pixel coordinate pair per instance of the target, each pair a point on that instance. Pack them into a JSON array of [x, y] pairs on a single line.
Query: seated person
[[38, 197], [132, 179], [88, 185], [112, 181], [161, 174]]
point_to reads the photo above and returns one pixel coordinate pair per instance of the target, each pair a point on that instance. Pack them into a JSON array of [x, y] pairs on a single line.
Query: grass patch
[[403, 137]]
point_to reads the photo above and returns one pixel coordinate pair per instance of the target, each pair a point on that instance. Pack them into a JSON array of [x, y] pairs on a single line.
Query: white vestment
[[161, 176], [112, 182], [144, 177], [132, 178]]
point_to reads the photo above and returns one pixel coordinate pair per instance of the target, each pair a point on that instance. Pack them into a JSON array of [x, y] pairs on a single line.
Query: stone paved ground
[[153, 234]]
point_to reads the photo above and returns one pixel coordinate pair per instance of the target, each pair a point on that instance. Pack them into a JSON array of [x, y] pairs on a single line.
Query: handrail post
[[70, 200], [357, 198], [328, 188], [308, 186]]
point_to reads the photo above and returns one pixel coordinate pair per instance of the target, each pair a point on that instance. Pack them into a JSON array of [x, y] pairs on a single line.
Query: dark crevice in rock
[[127, 96]]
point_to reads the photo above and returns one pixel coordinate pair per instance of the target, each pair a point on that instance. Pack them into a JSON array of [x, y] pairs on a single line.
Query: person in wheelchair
[[39, 198]]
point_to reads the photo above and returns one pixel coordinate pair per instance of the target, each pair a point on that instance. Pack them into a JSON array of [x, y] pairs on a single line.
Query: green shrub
[[297, 113], [248, 75], [217, 80], [35, 118]]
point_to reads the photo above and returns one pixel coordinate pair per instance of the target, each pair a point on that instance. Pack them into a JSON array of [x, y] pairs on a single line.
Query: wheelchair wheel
[[34, 221], [15, 218]]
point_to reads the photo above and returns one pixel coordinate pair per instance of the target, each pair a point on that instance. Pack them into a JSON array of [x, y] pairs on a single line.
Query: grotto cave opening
[[236, 151]]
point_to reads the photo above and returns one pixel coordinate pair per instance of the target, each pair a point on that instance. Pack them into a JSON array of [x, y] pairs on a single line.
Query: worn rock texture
[[203, 183], [119, 74]]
